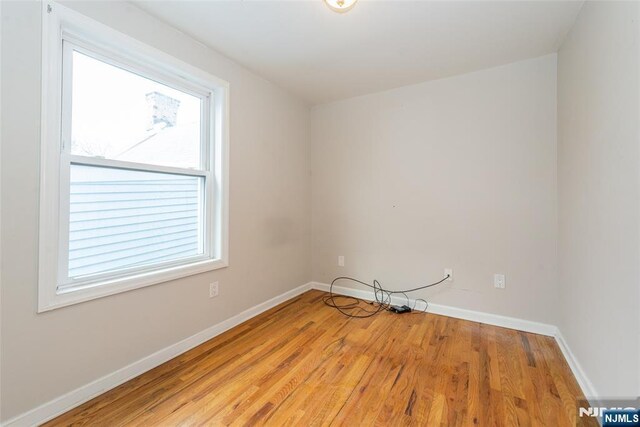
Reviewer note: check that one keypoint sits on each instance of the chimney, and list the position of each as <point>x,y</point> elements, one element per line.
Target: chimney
<point>163,109</point>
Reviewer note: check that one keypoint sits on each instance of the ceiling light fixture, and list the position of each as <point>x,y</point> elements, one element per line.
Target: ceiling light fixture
<point>340,6</point>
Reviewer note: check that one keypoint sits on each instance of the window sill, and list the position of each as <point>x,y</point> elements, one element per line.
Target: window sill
<point>124,284</point>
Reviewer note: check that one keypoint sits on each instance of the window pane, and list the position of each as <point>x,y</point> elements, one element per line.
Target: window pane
<point>120,115</point>
<point>121,219</point>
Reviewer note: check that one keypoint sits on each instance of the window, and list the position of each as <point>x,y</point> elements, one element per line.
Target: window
<point>134,163</point>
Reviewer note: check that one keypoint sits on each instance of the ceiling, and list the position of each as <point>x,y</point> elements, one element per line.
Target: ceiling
<point>321,56</point>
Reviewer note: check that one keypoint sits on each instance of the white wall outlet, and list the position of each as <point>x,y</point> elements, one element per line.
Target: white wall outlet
<point>448,272</point>
<point>340,260</point>
<point>213,289</point>
<point>499,281</point>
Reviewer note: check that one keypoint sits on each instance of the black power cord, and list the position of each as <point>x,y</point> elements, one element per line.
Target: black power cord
<point>351,307</point>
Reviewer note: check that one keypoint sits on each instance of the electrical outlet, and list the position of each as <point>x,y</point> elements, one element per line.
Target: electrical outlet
<point>340,260</point>
<point>499,281</point>
<point>449,272</point>
<point>213,289</point>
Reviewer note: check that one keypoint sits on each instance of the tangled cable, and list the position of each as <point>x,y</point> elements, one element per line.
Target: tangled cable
<point>352,306</point>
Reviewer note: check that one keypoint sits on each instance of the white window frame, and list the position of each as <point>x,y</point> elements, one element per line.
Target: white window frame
<point>64,31</point>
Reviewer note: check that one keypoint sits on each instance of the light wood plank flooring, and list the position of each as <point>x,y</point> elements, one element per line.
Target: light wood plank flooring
<point>303,363</point>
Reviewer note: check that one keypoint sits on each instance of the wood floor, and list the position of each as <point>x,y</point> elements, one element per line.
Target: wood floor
<point>303,363</point>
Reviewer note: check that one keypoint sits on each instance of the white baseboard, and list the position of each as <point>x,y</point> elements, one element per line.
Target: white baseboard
<point>587,387</point>
<point>445,310</point>
<point>62,404</point>
<point>489,319</point>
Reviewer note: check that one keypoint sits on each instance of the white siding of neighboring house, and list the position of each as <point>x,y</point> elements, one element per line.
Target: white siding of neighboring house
<point>121,218</point>
<point>124,218</point>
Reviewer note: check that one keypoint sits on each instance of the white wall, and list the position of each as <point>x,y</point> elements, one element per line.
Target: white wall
<point>458,172</point>
<point>47,355</point>
<point>598,164</point>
